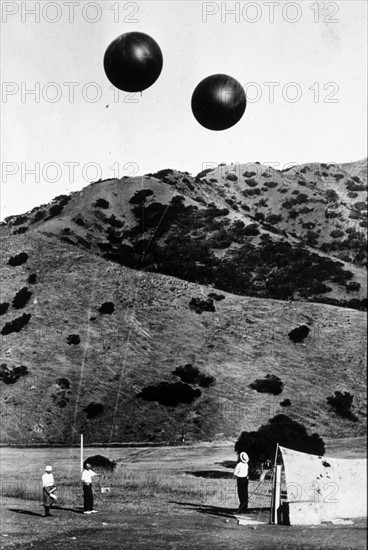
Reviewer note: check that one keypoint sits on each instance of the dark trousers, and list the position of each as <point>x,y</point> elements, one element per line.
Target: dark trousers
<point>242,483</point>
<point>88,497</point>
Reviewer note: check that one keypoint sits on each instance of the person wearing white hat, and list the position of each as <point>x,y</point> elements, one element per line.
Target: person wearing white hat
<point>48,491</point>
<point>241,473</point>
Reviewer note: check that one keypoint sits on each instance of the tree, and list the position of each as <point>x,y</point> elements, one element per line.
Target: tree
<point>261,445</point>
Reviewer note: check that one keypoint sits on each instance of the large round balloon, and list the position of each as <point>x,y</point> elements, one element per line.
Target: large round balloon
<point>133,62</point>
<point>218,102</point>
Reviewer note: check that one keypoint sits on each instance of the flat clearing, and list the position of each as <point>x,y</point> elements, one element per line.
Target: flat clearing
<point>161,498</point>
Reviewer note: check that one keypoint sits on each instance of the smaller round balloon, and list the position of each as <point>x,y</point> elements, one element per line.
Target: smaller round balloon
<point>133,62</point>
<point>218,102</point>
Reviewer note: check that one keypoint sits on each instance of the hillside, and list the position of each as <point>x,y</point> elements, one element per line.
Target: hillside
<point>299,234</point>
<point>193,271</point>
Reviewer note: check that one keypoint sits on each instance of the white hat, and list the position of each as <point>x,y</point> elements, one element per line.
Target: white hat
<point>48,468</point>
<point>244,457</point>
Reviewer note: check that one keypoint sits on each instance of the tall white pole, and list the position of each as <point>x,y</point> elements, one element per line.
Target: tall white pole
<point>273,485</point>
<point>81,452</point>
<point>277,497</point>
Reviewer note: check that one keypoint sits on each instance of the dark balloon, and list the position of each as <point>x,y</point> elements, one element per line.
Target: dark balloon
<point>133,62</point>
<point>218,102</point>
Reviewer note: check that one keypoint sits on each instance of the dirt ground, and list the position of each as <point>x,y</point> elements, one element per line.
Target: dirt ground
<point>167,521</point>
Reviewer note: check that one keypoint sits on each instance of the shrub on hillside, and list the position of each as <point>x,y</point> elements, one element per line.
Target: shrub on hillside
<point>285,403</point>
<point>232,177</point>
<point>4,307</point>
<point>55,210</point>
<point>114,221</point>
<point>139,197</point>
<point>261,203</point>
<point>353,186</point>
<point>20,230</point>
<point>261,444</point>
<point>63,383</point>
<point>353,286</point>
<point>18,259</point>
<point>308,225</point>
<point>38,216</point>
<point>251,229</point>
<point>93,409</point>
<point>18,220</point>
<point>216,297</point>
<point>331,195</point>
<point>305,210</point>
<point>73,339</point>
<point>192,375</point>
<point>298,334</point>
<point>249,174</point>
<point>16,325</point>
<point>78,219</point>
<point>302,182</point>
<point>101,203</point>
<point>251,192</point>
<point>337,233</point>
<point>199,305</point>
<point>270,384</point>
<point>21,298</point>
<point>251,182</point>
<point>11,375</point>
<point>293,213</point>
<point>318,288</point>
<point>113,236</point>
<point>273,218</point>
<point>341,403</point>
<point>360,205</point>
<point>170,394</point>
<point>259,216</point>
<point>330,214</point>
<point>352,195</point>
<point>270,184</point>
<point>311,238</point>
<point>107,307</point>
<point>162,174</point>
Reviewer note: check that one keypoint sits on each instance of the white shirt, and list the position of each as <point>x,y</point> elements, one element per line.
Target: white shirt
<point>47,479</point>
<point>241,470</point>
<point>87,476</point>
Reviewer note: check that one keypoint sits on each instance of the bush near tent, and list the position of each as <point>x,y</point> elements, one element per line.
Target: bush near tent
<point>261,445</point>
<point>100,462</point>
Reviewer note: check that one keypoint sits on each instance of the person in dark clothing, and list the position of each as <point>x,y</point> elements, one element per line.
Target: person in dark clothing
<point>87,475</point>
<point>241,473</point>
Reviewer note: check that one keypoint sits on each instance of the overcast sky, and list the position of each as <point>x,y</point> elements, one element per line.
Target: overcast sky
<point>314,110</point>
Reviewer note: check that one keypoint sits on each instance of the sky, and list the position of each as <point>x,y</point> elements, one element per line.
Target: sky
<point>302,65</point>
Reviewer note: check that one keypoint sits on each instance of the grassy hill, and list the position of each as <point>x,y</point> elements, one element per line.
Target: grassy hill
<point>193,271</point>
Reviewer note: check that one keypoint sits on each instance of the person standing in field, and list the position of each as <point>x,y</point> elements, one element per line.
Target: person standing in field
<point>87,476</point>
<point>48,490</point>
<point>241,473</point>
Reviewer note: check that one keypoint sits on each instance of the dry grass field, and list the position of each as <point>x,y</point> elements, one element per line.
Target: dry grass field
<point>161,498</point>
